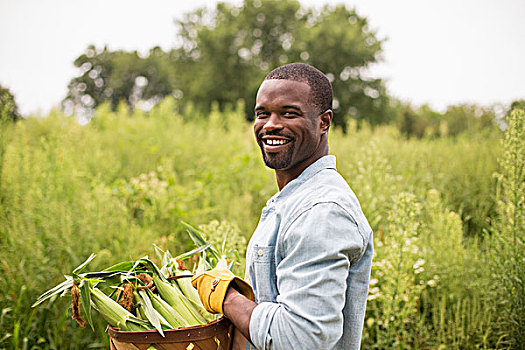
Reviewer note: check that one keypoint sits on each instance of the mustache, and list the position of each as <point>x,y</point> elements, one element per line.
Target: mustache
<point>275,133</point>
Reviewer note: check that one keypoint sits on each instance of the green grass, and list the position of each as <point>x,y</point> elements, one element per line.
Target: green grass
<point>123,182</point>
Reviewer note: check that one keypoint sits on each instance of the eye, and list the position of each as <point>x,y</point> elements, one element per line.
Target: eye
<point>261,115</point>
<point>290,114</point>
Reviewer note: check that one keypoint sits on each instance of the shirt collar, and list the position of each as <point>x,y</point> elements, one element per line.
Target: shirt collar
<point>325,162</point>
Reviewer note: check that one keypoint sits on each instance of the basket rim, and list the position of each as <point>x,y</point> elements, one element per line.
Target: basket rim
<point>194,333</point>
<point>199,332</point>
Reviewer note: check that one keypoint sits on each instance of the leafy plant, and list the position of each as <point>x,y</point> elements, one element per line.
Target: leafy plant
<point>507,241</point>
<point>69,190</point>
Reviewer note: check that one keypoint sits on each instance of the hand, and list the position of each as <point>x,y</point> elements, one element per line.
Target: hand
<point>212,287</point>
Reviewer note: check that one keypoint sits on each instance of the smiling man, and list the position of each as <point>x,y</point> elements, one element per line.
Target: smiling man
<point>309,259</point>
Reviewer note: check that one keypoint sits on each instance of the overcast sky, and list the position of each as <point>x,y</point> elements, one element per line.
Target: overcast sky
<point>438,52</point>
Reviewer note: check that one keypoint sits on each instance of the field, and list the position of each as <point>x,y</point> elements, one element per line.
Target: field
<point>447,215</point>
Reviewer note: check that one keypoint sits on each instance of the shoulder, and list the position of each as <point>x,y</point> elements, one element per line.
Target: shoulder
<point>325,198</point>
<point>324,226</point>
<point>327,186</point>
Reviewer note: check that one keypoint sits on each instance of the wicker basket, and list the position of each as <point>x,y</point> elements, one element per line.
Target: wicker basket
<point>216,335</point>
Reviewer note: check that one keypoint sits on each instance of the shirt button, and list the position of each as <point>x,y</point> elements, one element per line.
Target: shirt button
<point>260,252</point>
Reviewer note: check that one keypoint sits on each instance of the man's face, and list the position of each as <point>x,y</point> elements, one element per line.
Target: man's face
<point>287,126</point>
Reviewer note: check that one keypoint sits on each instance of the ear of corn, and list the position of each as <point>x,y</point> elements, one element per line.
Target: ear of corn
<point>192,295</point>
<point>175,267</point>
<point>174,297</point>
<point>142,315</point>
<point>140,311</point>
<point>115,314</point>
<point>172,305</point>
<point>170,314</point>
<point>185,286</point>
<point>150,312</point>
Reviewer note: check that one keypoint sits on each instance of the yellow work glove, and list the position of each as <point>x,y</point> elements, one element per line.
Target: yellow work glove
<point>212,287</point>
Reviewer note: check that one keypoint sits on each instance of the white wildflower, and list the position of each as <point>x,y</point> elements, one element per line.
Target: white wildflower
<point>431,283</point>
<point>419,263</point>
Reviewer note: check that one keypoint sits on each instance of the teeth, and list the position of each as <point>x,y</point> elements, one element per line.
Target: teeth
<point>276,142</point>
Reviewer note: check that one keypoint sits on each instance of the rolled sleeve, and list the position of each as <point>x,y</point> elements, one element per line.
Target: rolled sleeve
<point>318,248</point>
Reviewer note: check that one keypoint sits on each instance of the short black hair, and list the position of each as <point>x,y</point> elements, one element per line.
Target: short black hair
<point>320,87</point>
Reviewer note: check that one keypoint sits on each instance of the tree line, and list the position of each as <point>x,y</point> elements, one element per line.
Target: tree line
<point>222,55</point>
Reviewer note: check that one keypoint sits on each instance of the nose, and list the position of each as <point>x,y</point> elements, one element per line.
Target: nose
<point>273,123</point>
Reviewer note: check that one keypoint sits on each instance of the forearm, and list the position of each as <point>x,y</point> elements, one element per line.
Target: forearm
<point>239,310</point>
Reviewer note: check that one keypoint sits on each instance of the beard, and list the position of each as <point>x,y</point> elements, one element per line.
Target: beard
<point>278,160</point>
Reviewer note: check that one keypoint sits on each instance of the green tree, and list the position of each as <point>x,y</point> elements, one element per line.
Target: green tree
<point>341,44</point>
<point>119,75</point>
<point>225,59</point>
<point>411,123</point>
<point>8,107</point>
<point>468,117</point>
<point>423,121</point>
<point>224,53</point>
<point>8,115</point>
<point>517,104</point>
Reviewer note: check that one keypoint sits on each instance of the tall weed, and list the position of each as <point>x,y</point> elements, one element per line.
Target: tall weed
<point>126,179</point>
<point>507,241</point>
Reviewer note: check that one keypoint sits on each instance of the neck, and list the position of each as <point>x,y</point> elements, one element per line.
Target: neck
<point>284,176</point>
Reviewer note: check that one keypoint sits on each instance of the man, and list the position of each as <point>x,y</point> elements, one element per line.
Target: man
<point>309,259</point>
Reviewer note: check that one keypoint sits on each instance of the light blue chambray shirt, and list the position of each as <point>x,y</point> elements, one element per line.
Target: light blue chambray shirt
<point>309,263</point>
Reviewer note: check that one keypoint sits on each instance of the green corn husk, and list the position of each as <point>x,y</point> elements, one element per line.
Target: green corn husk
<point>177,300</point>
<point>185,286</point>
<point>150,312</point>
<point>192,295</point>
<point>170,314</point>
<point>147,312</point>
<point>176,305</point>
<point>171,267</point>
<point>140,312</point>
<point>164,324</point>
<point>115,314</point>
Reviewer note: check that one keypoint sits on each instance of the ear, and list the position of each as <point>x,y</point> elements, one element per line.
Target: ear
<point>325,120</point>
